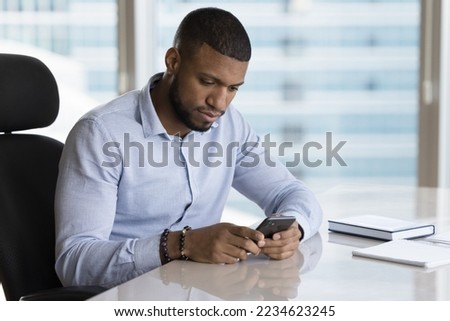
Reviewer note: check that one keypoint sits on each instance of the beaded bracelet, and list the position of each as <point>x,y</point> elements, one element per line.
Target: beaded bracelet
<point>182,239</point>
<point>163,246</point>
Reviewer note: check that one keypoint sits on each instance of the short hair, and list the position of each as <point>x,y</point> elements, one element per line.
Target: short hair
<point>215,27</point>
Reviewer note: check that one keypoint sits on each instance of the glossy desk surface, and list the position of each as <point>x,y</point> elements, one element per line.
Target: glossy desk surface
<point>323,268</point>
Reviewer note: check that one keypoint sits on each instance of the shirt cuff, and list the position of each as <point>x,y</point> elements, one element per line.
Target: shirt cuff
<point>303,222</point>
<point>146,253</point>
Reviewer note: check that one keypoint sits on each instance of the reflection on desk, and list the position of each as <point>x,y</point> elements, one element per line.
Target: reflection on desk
<point>320,270</point>
<point>257,278</point>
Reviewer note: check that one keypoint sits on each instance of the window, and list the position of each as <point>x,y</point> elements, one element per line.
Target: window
<point>328,72</point>
<point>76,40</point>
<point>345,67</point>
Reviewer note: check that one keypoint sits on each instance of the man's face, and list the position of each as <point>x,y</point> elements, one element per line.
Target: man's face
<point>203,87</point>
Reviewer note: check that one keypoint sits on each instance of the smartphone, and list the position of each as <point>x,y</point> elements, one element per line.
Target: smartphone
<point>274,224</point>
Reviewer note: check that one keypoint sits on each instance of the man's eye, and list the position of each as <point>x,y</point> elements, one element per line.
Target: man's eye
<point>206,82</point>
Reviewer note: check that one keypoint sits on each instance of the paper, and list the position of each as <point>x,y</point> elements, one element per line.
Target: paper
<point>418,253</point>
<point>443,238</point>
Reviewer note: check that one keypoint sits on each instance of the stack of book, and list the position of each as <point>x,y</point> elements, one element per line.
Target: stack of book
<point>380,227</point>
<point>427,252</point>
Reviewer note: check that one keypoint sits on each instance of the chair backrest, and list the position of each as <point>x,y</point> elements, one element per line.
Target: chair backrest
<point>28,172</point>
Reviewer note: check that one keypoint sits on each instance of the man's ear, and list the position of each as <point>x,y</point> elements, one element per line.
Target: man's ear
<point>172,60</point>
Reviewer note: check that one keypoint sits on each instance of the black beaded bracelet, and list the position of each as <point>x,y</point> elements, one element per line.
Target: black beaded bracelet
<point>163,246</point>
<point>182,240</point>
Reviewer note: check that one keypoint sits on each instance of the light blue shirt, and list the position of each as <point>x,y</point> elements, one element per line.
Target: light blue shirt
<point>123,180</point>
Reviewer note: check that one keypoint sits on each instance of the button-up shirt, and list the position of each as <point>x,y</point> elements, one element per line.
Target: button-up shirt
<point>123,180</point>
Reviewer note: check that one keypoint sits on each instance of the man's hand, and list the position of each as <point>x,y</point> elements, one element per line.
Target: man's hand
<point>223,243</point>
<point>282,244</point>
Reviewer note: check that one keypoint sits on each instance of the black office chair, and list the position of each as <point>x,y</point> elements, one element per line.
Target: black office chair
<point>28,170</point>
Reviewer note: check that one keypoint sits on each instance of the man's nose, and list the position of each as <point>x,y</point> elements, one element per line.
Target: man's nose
<point>219,98</point>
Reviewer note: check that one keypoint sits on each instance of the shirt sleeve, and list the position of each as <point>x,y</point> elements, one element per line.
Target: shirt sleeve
<point>263,179</point>
<point>85,207</point>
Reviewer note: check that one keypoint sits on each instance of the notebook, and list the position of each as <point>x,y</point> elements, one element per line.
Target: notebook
<point>380,227</point>
<point>421,253</point>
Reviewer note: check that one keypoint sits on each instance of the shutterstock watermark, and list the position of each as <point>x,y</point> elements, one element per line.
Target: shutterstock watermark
<point>215,154</point>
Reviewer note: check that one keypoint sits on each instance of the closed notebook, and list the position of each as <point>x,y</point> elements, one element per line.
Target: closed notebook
<point>380,227</point>
<point>417,253</point>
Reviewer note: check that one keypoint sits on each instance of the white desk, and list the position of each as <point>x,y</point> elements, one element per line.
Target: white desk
<point>323,269</point>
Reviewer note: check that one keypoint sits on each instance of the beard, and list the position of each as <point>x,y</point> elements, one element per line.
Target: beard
<point>184,113</point>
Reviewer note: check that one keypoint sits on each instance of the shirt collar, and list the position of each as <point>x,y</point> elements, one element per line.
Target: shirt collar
<point>150,121</point>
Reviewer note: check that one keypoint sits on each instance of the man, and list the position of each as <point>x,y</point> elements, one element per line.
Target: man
<point>140,181</point>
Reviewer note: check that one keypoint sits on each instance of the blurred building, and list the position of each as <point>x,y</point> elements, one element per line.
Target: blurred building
<point>345,67</point>
<point>348,67</point>
<point>82,30</point>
